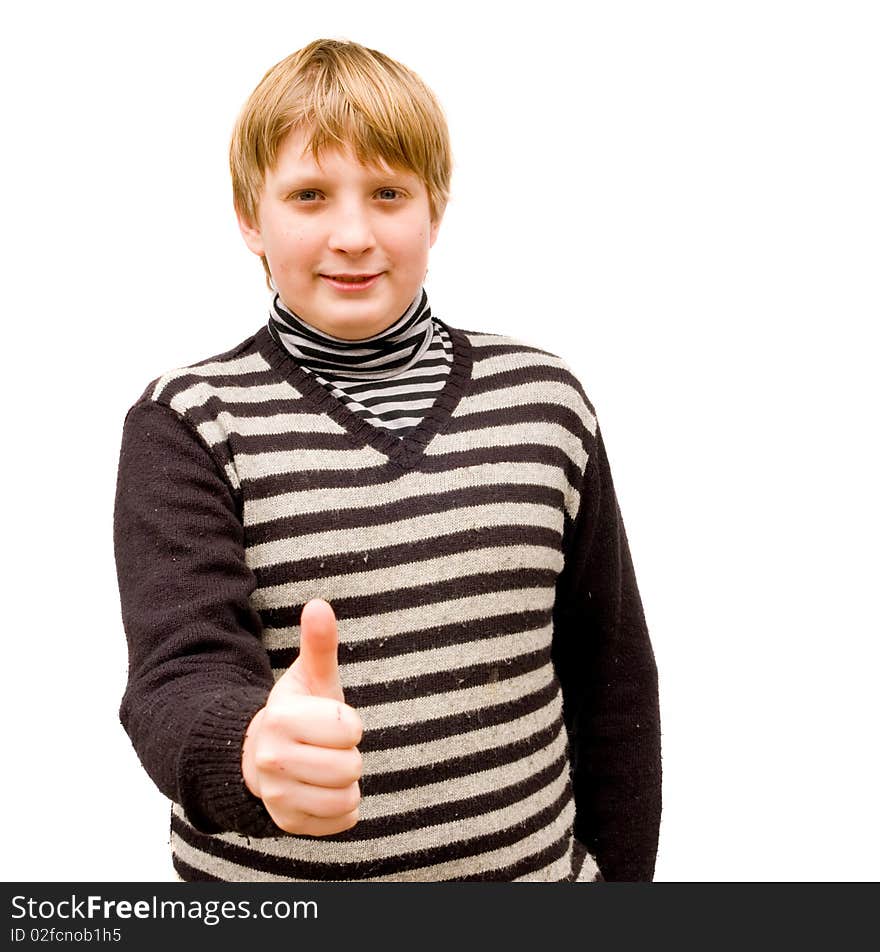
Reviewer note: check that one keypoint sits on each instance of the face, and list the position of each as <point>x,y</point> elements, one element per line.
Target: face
<point>347,244</point>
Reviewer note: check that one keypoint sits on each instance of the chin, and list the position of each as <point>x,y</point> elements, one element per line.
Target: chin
<point>358,332</point>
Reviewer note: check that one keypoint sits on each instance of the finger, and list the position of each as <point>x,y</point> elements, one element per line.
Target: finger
<point>318,650</point>
<point>326,803</point>
<point>325,766</point>
<point>304,825</point>
<point>312,720</point>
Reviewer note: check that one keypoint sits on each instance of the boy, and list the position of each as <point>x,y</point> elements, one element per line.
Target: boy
<point>381,614</point>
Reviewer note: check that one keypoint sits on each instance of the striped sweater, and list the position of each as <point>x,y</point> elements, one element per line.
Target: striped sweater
<point>491,633</point>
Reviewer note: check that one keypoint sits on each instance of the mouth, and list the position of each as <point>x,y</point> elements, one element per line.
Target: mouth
<point>351,282</point>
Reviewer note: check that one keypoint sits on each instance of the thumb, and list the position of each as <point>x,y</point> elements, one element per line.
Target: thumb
<point>317,664</point>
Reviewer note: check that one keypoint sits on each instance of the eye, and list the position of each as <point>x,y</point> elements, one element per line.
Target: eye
<point>306,195</point>
<point>389,194</point>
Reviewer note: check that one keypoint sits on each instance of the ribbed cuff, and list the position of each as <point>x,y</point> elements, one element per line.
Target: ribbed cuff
<point>211,785</point>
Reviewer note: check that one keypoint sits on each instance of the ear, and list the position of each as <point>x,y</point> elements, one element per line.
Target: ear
<point>435,228</point>
<point>253,236</point>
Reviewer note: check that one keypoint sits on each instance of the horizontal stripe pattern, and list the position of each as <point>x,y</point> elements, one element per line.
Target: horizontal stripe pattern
<point>477,845</point>
<point>399,404</point>
<point>403,530</point>
<point>408,487</point>
<point>387,354</point>
<point>441,566</point>
<point>454,614</point>
<point>214,369</point>
<point>407,574</point>
<point>390,380</point>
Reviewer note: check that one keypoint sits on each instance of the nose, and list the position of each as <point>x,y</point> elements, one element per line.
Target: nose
<point>351,231</point>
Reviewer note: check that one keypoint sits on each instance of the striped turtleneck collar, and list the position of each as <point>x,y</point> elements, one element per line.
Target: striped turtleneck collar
<point>386,354</point>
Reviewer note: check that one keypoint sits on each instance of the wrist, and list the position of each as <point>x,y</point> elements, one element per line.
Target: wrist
<point>248,757</point>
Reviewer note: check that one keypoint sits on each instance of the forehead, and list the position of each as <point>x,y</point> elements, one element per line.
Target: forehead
<point>296,157</point>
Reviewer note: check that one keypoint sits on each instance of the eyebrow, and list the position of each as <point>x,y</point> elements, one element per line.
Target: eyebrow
<point>318,179</point>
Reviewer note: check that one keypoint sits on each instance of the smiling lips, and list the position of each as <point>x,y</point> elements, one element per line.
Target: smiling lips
<point>351,282</point>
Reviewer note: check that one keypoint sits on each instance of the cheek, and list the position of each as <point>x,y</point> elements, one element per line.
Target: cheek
<point>415,244</point>
<point>294,248</point>
<point>410,235</point>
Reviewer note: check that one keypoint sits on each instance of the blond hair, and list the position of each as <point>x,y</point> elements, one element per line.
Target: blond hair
<point>341,94</point>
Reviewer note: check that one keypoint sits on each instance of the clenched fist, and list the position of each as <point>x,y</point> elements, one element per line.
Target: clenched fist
<point>300,753</point>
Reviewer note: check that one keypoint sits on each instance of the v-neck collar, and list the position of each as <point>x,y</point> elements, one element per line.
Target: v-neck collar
<point>406,451</point>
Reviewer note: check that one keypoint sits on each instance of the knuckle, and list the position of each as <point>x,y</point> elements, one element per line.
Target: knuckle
<point>274,719</point>
<point>272,795</point>
<point>267,760</point>
<point>291,822</point>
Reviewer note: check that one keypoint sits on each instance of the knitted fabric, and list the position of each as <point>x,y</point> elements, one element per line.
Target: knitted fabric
<point>491,634</point>
<point>391,379</point>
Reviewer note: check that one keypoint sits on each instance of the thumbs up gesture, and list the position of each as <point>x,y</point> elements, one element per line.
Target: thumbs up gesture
<point>300,753</point>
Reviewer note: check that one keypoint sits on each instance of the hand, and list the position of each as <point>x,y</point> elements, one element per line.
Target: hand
<point>300,753</point>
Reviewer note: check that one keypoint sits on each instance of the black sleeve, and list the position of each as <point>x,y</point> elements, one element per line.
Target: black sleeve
<point>197,671</point>
<point>606,667</point>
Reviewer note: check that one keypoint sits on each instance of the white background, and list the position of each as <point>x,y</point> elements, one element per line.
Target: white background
<point>682,199</point>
